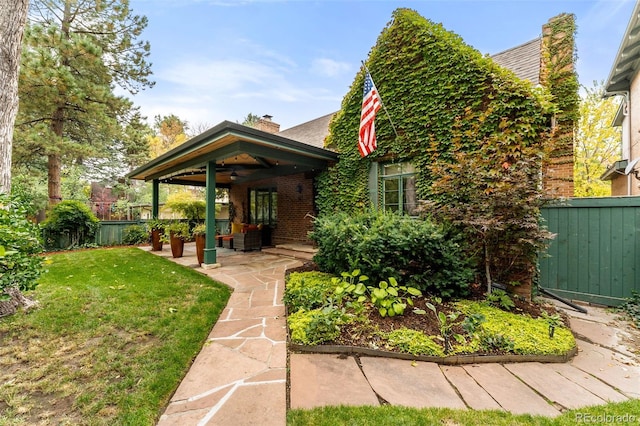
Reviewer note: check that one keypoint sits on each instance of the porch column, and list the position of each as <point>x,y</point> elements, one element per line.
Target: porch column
<point>155,199</point>
<point>210,256</point>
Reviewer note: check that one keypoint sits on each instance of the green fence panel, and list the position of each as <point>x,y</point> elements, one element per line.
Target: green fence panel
<point>594,256</point>
<point>110,231</point>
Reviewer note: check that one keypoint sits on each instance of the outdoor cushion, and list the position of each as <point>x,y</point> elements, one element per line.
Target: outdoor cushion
<point>236,227</point>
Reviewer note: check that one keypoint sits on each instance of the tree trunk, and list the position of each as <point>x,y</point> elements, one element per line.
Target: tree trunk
<point>13,16</point>
<point>54,164</point>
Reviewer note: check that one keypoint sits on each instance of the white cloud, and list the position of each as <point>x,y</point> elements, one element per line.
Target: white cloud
<point>328,67</point>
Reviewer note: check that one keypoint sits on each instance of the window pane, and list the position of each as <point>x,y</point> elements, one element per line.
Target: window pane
<point>409,195</point>
<point>391,169</point>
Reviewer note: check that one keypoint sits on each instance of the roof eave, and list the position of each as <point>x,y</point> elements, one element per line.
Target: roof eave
<point>627,58</point>
<point>226,128</point>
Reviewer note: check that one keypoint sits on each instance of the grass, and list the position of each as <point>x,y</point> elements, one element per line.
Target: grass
<point>627,412</point>
<point>116,331</point>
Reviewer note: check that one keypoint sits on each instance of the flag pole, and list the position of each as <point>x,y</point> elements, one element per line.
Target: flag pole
<point>381,103</point>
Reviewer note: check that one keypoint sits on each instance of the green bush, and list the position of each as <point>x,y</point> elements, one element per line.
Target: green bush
<point>20,244</point>
<point>70,224</point>
<point>307,290</point>
<point>417,252</point>
<point>631,307</point>
<point>135,234</point>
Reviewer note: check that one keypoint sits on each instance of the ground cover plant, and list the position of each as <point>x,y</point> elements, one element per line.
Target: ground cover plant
<point>116,331</point>
<point>351,311</point>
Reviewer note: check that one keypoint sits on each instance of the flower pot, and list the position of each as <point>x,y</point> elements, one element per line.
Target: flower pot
<point>156,240</point>
<point>177,246</point>
<point>200,243</point>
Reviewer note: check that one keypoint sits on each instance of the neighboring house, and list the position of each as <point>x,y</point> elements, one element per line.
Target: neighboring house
<point>624,81</point>
<point>271,173</point>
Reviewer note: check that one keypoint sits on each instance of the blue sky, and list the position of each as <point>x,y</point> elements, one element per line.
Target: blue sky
<point>216,60</point>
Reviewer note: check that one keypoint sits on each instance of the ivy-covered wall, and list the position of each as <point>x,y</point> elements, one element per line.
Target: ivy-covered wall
<point>439,92</point>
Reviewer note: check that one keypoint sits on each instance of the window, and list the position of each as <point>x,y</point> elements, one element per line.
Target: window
<point>263,206</point>
<point>399,188</point>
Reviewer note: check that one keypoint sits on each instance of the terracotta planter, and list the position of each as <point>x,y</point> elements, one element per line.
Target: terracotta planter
<point>177,246</point>
<point>200,243</point>
<point>156,240</point>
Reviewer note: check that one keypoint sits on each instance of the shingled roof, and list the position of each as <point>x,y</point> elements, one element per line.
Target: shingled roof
<point>523,60</point>
<point>312,132</point>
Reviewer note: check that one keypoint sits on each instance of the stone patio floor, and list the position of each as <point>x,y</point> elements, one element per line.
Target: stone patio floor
<point>240,375</point>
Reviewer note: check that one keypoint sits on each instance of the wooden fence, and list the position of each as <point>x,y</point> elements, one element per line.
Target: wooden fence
<point>595,256</point>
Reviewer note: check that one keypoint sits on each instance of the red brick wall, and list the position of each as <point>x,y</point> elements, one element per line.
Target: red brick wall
<point>295,201</point>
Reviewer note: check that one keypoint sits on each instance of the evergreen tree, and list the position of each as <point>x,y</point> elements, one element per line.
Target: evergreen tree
<point>75,55</point>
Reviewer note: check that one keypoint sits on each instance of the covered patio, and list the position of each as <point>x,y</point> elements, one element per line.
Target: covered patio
<point>270,178</point>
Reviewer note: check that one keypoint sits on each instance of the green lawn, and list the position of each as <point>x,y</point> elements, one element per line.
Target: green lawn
<point>116,331</point>
<point>619,413</point>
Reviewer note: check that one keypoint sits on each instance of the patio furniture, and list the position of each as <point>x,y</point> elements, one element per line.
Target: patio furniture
<point>227,241</point>
<point>249,239</point>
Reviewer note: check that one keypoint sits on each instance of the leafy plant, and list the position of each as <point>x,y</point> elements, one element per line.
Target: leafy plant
<point>156,224</point>
<point>446,323</point>
<point>631,307</point>
<point>70,223</point>
<point>472,323</point>
<point>496,342</point>
<point>351,287</point>
<point>500,299</point>
<point>199,229</point>
<point>178,230</point>
<point>20,265</point>
<point>391,298</point>
<point>307,290</point>
<point>135,234</point>
<point>312,327</point>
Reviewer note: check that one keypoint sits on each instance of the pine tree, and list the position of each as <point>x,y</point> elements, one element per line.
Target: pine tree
<point>76,54</point>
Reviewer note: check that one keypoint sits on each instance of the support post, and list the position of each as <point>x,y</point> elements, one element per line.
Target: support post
<point>155,199</point>
<point>210,255</point>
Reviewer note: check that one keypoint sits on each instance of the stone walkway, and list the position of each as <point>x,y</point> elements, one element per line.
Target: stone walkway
<point>240,376</point>
<point>603,370</point>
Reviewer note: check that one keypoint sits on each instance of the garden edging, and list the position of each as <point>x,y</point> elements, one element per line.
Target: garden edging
<point>447,360</point>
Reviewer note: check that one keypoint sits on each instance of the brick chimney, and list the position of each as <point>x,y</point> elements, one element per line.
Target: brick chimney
<point>266,125</point>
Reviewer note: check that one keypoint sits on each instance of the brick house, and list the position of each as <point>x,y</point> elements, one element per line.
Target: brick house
<point>270,173</point>
<point>624,81</point>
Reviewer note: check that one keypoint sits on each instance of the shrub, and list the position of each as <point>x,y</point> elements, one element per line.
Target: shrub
<point>417,252</point>
<point>20,265</point>
<point>135,234</point>
<point>70,224</point>
<point>307,290</point>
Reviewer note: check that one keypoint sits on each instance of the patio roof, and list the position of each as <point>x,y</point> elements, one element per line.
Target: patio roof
<point>241,154</point>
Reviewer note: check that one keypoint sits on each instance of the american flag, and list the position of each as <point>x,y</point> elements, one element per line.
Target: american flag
<point>370,106</point>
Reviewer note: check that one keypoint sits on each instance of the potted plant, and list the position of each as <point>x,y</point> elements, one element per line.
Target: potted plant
<point>178,233</point>
<point>156,228</point>
<point>200,237</point>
